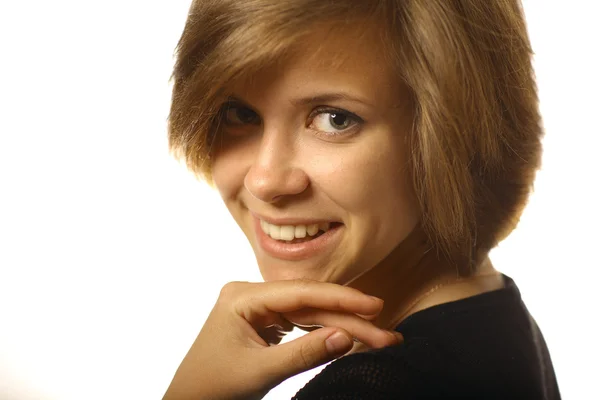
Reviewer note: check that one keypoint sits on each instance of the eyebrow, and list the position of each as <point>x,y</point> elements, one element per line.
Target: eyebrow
<point>321,98</point>
<point>327,97</point>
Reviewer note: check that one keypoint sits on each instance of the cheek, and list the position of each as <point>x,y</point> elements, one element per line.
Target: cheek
<point>228,172</point>
<point>370,179</point>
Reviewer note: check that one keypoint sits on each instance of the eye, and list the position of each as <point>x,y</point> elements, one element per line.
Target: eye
<point>333,122</point>
<point>237,114</point>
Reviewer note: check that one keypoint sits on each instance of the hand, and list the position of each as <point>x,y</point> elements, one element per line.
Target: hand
<point>233,357</point>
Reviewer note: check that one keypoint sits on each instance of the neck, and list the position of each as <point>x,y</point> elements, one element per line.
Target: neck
<point>412,278</point>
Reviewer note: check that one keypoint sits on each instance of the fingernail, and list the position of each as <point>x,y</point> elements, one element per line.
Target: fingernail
<point>337,343</point>
<point>377,299</point>
<point>398,336</point>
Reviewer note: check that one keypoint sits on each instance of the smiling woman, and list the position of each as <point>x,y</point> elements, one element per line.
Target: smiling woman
<point>302,160</point>
<point>381,147</point>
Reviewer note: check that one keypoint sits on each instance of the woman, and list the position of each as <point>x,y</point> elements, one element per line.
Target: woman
<point>376,148</point>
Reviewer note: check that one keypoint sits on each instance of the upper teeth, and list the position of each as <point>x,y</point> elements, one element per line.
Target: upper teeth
<point>289,232</point>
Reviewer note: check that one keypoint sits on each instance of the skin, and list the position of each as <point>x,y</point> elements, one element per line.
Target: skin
<point>285,165</point>
<point>231,357</point>
<point>275,158</point>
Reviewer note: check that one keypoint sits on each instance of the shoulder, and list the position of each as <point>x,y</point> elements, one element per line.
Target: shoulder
<point>393,372</point>
<point>420,368</point>
<point>487,346</point>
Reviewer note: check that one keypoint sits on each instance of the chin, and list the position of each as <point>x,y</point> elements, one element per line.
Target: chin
<point>271,275</point>
<point>278,270</point>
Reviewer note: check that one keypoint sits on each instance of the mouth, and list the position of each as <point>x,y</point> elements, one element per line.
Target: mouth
<point>297,242</point>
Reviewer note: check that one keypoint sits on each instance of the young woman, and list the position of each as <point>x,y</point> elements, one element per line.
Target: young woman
<point>365,148</point>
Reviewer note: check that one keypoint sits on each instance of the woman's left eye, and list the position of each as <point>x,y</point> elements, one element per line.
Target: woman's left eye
<point>334,122</point>
<point>236,114</point>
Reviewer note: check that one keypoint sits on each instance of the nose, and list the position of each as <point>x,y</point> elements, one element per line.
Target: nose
<point>273,173</point>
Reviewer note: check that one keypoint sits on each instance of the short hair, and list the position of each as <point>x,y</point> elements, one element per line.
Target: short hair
<point>475,142</point>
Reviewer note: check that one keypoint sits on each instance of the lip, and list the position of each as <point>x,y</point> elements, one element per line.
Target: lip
<point>290,221</point>
<point>297,251</point>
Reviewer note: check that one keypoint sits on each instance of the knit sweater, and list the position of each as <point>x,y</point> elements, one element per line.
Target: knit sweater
<point>483,347</point>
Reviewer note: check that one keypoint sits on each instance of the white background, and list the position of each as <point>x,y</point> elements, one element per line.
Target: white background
<point>112,255</point>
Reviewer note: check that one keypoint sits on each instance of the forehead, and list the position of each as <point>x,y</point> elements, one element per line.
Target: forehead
<point>329,59</point>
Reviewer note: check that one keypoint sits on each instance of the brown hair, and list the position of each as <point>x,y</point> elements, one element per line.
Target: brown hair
<point>476,139</point>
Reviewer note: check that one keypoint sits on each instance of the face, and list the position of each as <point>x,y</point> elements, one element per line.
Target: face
<point>312,161</point>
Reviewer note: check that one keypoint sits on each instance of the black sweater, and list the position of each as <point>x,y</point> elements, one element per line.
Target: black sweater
<point>483,347</point>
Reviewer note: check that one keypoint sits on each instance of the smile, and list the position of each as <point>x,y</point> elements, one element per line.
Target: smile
<point>298,241</point>
<point>290,232</point>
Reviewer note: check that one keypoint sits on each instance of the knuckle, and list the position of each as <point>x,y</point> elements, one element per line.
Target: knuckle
<point>307,355</point>
<point>230,290</point>
<point>304,283</point>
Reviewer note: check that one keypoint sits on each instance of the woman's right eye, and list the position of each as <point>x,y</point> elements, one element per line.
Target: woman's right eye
<point>235,115</point>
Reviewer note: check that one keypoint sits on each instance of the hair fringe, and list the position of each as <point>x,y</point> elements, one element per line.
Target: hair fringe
<point>476,139</point>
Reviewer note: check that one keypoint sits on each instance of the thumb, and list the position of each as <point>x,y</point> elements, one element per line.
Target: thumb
<point>309,351</point>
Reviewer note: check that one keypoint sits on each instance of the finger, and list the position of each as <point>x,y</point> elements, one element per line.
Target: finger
<point>304,353</point>
<point>313,327</point>
<point>359,328</point>
<point>281,323</point>
<point>368,317</point>
<point>291,295</point>
<point>266,320</point>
